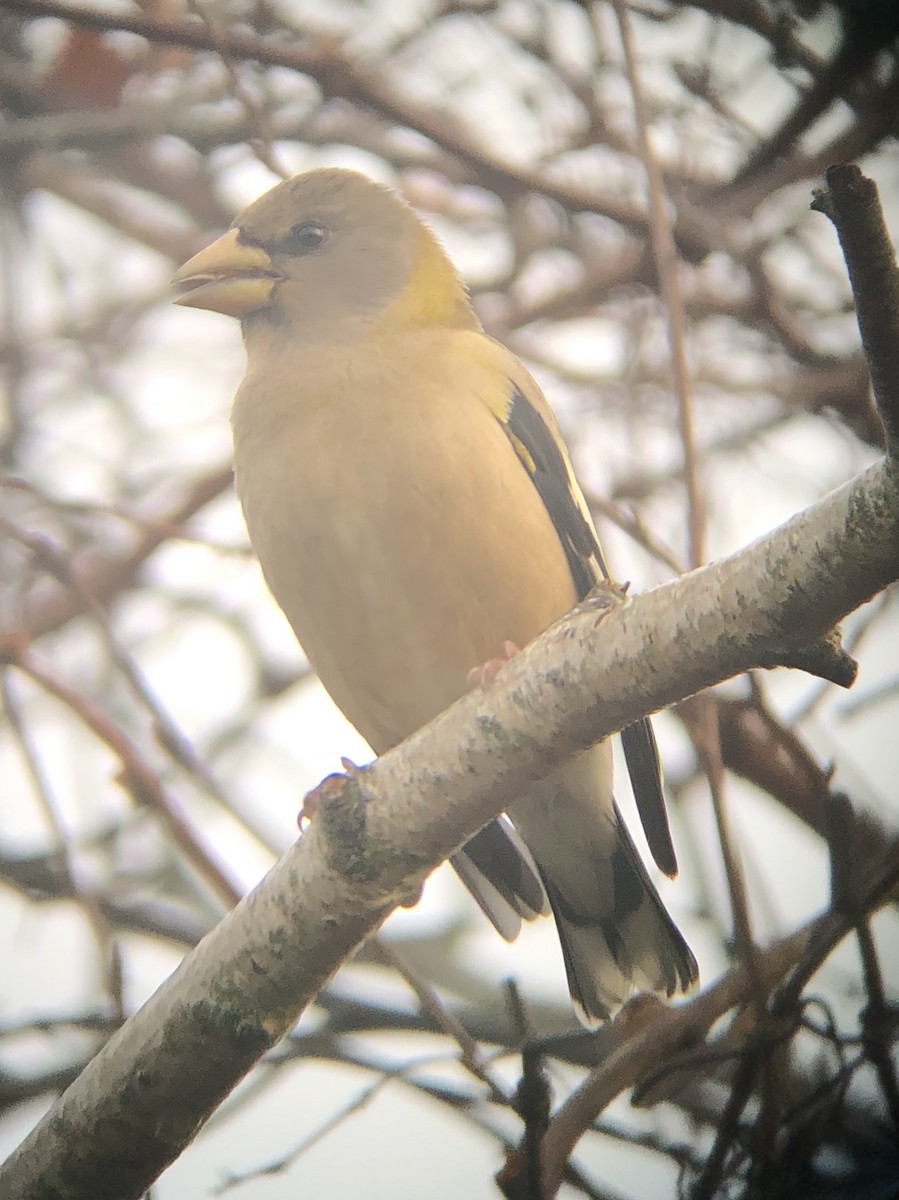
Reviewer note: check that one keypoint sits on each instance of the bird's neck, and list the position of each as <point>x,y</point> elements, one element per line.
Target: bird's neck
<point>434,294</point>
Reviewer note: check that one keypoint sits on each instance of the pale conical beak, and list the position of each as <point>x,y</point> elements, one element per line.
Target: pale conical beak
<point>228,277</point>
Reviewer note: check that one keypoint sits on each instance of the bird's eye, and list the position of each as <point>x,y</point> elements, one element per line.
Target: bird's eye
<point>305,238</point>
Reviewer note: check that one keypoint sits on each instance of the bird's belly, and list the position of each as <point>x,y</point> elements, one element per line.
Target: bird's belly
<point>398,582</point>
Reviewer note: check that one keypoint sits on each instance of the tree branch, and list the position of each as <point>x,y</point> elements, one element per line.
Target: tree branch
<point>852,203</point>
<point>379,831</point>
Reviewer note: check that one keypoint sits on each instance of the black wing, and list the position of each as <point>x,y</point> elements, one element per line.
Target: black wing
<point>542,458</point>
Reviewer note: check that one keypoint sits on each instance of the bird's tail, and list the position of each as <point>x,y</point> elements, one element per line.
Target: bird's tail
<point>497,868</point>
<point>613,950</point>
<point>617,937</point>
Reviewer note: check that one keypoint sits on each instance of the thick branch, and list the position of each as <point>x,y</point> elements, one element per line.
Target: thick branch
<point>379,831</point>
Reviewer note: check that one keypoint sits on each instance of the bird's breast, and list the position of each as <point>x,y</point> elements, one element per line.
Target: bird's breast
<point>401,536</point>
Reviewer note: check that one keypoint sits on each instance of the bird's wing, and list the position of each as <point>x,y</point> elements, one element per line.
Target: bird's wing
<point>531,427</point>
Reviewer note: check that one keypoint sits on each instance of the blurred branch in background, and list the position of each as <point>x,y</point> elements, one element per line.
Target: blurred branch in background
<point>154,758</point>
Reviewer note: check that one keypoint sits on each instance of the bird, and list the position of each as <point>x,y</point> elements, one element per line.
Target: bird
<point>413,506</point>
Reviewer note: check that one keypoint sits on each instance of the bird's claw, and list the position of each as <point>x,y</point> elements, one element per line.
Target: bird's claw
<point>486,672</point>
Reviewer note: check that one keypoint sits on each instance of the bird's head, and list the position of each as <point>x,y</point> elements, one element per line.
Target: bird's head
<point>330,245</point>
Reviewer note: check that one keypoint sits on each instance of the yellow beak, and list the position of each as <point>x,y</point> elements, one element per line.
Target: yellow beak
<point>228,277</point>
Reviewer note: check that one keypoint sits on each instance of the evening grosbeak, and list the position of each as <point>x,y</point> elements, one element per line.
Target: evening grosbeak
<point>414,509</point>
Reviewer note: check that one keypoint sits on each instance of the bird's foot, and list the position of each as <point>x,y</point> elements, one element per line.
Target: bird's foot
<point>328,787</point>
<point>486,672</point>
